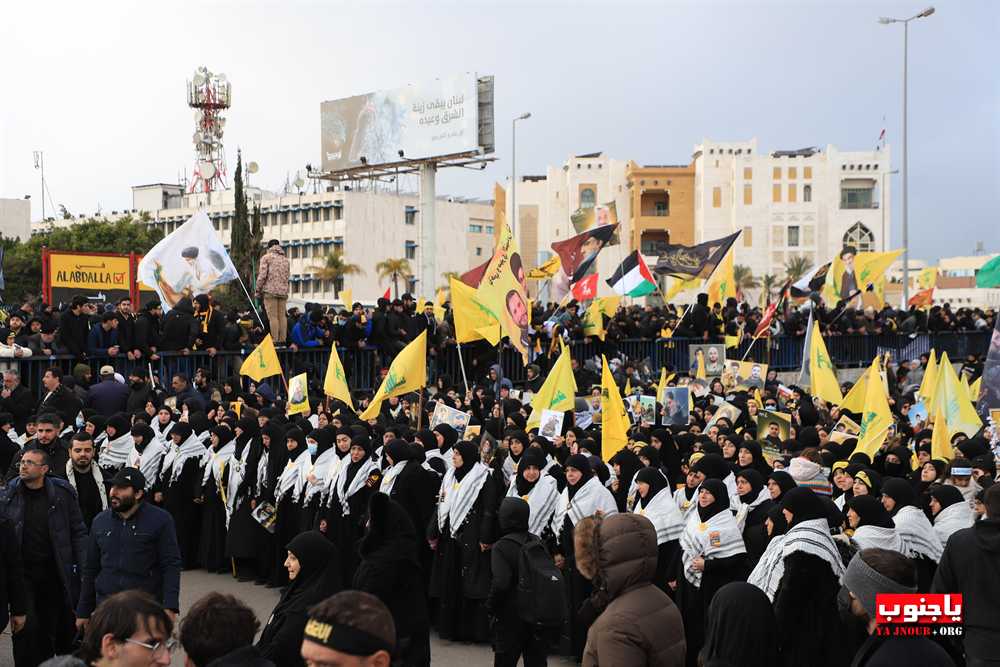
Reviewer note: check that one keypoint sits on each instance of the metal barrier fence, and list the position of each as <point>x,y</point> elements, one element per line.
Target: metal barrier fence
<point>781,353</point>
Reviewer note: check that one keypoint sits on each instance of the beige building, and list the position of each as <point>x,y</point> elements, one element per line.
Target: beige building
<point>15,218</point>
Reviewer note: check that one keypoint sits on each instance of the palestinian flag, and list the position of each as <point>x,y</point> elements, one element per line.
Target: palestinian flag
<point>632,277</point>
<point>812,281</point>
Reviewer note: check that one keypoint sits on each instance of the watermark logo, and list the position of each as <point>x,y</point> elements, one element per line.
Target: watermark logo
<point>918,614</point>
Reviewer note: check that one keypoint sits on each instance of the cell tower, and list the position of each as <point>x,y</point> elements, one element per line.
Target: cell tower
<point>209,95</point>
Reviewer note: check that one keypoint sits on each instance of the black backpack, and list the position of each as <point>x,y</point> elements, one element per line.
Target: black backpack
<point>541,593</point>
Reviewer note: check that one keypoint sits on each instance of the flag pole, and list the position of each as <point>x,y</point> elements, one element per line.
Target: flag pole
<point>461,364</point>
<point>252,305</point>
<point>420,410</point>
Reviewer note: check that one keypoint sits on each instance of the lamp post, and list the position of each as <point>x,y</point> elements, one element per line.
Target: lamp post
<point>512,214</point>
<point>906,172</point>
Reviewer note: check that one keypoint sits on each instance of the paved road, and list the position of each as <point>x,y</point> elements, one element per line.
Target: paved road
<point>196,583</point>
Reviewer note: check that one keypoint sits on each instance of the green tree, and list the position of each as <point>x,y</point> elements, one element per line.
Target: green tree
<point>394,269</point>
<point>335,268</point>
<point>744,279</point>
<point>241,238</point>
<point>796,267</point>
<point>23,259</point>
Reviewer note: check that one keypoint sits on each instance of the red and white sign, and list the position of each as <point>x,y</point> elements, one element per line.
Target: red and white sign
<point>586,289</point>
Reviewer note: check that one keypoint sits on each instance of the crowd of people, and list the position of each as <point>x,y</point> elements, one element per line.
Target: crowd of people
<point>704,542</point>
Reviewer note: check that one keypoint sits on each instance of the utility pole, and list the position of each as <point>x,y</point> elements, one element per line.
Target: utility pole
<point>40,164</point>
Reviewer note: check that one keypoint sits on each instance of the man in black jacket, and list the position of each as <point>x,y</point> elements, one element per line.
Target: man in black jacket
<point>47,439</point>
<point>970,565</point>
<point>211,324</point>
<point>147,328</point>
<point>46,342</point>
<point>13,594</point>
<point>74,327</point>
<point>133,545</point>
<point>108,396</point>
<point>50,531</point>
<point>126,329</point>
<point>180,328</point>
<point>58,399</point>
<point>16,399</point>
<point>512,637</point>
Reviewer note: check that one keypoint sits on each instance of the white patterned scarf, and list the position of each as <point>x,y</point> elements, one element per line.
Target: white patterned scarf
<point>149,461</point>
<point>98,478</point>
<point>261,474</point>
<point>746,508</point>
<point>115,453</point>
<point>917,533</point>
<point>719,537</point>
<point>589,499</point>
<point>877,537</point>
<point>178,455</point>
<point>542,501</point>
<point>771,560</point>
<point>389,478</point>
<point>162,433</point>
<point>952,518</point>
<point>332,475</point>
<point>458,496</point>
<point>320,469</point>
<point>811,537</point>
<point>216,463</point>
<point>345,490</point>
<point>662,511</point>
<point>237,472</point>
<point>293,478</point>
<point>685,505</point>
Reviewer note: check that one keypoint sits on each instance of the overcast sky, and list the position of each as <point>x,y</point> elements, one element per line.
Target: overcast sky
<point>100,87</point>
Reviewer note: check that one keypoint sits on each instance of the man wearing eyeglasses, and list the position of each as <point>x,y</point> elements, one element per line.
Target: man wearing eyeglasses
<point>128,629</point>
<point>49,528</point>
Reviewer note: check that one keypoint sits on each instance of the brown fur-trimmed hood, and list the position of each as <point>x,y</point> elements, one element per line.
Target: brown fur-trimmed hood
<point>618,552</point>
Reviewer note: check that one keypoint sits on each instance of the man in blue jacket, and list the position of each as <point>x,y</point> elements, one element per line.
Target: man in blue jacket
<point>49,530</point>
<point>109,396</point>
<point>102,341</point>
<point>133,545</point>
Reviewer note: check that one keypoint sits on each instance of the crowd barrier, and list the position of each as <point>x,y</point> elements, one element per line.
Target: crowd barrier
<point>781,353</point>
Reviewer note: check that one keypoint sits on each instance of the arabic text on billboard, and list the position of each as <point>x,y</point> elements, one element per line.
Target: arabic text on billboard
<point>425,120</point>
<point>102,278</point>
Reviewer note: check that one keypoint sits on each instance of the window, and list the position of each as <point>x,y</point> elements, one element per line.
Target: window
<point>776,192</point>
<point>225,224</point>
<point>338,211</point>
<point>294,254</point>
<point>860,237</point>
<point>747,194</point>
<point>856,197</point>
<point>793,173</point>
<point>215,223</point>
<point>587,198</point>
<point>747,173</point>
<point>476,229</point>
<point>489,229</point>
<point>306,251</point>
<point>777,173</point>
<point>326,214</point>
<point>411,250</point>
<point>410,216</point>
<point>793,236</point>
<point>661,209</point>
<point>716,197</point>
<point>479,252</point>
<point>807,193</point>
<point>283,219</point>
<point>778,236</point>
<point>338,285</point>
<point>808,236</point>
<point>793,193</point>
<point>807,172</point>
<point>748,237</point>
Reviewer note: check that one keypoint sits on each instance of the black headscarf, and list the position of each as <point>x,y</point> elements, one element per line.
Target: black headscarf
<point>947,495</point>
<point>778,520</point>
<point>522,438</point>
<point>199,422</point>
<point>804,505</point>
<point>657,482</point>
<point>900,491</point>
<point>343,430</point>
<point>870,512</point>
<point>756,484</point>
<point>741,628</point>
<point>146,433</point>
<point>364,442</point>
<point>183,430</point>
<point>119,423</point>
<point>670,458</point>
<point>533,457</point>
<point>759,464</point>
<point>713,466</point>
<point>324,438</point>
<point>470,456</point>
<point>449,434</point>
<point>224,434</point>
<point>721,503</point>
<point>398,450</point>
<point>296,434</point>
<point>628,465</point>
<point>581,463</point>
<point>784,482</point>
<point>651,454</point>
<point>901,469</point>
<point>427,439</point>
<point>871,479</point>
<point>319,573</point>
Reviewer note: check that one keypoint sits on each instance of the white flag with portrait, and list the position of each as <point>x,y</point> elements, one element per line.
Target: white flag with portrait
<point>189,261</point>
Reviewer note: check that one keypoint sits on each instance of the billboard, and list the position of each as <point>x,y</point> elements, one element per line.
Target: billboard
<point>100,277</point>
<point>418,121</point>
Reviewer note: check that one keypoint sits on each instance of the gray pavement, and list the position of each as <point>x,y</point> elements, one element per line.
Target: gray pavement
<point>195,583</point>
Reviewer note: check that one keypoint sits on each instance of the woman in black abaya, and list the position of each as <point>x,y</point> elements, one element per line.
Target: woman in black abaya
<point>245,537</point>
<point>287,494</point>
<point>314,571</point>
<point>212,544</point>
<point>741,629</point>
<point>181,480</point>
<point>347,508</point>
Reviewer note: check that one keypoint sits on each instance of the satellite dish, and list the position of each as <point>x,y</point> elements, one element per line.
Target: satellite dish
<point>299,182</point>
<point>252,168</point>
<point>199,80</point>
<point>207,170</point>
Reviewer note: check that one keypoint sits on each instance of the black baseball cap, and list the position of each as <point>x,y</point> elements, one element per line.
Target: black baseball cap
<point>130,477</point>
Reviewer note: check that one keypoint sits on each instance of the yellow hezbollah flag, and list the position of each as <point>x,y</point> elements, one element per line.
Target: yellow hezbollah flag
<point>876,417</point>
<point>472,320</point>
<point>628,386</point>
<point>335,382</point>
<point>855,399</point>
<point>661,388</point>
<point>822,374</point>
<point>347,298</point>
<point>699,373</point>
<point>298,395</point>
<point>677,285</point>
<point>503,296</point>
<point>941,448</point>
<point>262,362</point>
<point>614,421</point>
<point>439,299</point>
<point>723,282</point>
<point>593,321</point>
<point>408,372</point>
<point>734,341</point>
<point>558,392</point>
<point>546,270</point>
<point>927,278</point>
<point>869,267</point>
<point>975,389</point>
<point>929,383</point>
<point>959,412</point>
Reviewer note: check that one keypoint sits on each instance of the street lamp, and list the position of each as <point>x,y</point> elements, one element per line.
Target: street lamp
<point>906,172</point>
<point>512,216</point>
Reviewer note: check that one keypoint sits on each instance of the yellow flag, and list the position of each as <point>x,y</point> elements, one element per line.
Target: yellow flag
<point>975,389</point>
<point>546,270</point>
<point>699,373</point>
<point>408,372</point>
<point>678,285</point>
<point>929,383</point>
<point>628,386</point>
<point>472,320</point>
<point>964,381</point>
<point>558,392</point>
<point>661,387</point>
<point>614,420</point>
<point>439,299</point>
<point>959,412</point>
<point>503,296</point>
<point>822,374</point>
<point>262,362</point>
<point>593,321</point>
<point>298,395</point>
<point>347,298</point>
<point>723,282</point>
<point>757,397</point>
<point>734,341</point>
<point>869,267</point>
<point>855,399</point>
<point>927,278</point>
<point>421,302</point>
<point>335,382</point>
<point>876,417</point>
<point>941,448</point>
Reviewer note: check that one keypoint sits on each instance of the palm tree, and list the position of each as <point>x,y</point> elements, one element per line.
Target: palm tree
<point>743,277</point>
<point>796,267</point>
<point>394,269</point>
<point>767,284</point>
<point>335,268</point>
<point>448,275</point>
